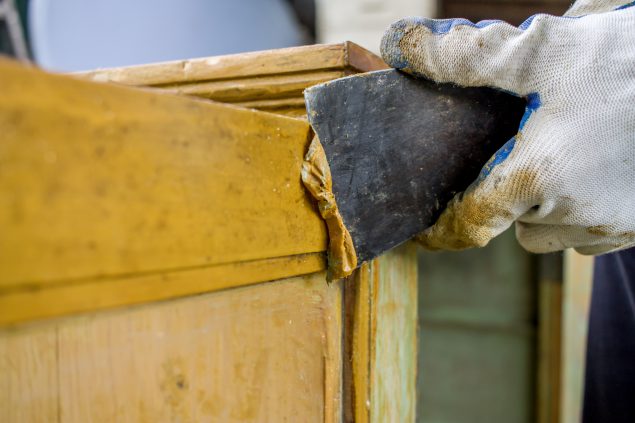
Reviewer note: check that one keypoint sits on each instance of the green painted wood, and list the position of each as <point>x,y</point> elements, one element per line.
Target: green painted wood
<point>477,337</point>
<point>394,336</point>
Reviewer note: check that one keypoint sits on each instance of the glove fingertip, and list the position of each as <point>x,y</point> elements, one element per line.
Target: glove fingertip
<point>390,44</point>
<point>391,49</point>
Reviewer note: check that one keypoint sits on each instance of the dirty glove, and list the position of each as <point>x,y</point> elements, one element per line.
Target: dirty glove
<point>568,177</point>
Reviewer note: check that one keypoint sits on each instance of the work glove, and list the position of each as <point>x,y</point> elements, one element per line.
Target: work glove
<point>568,177</point>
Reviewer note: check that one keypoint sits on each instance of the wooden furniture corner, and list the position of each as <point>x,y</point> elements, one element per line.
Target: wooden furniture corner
<point>129,210</point>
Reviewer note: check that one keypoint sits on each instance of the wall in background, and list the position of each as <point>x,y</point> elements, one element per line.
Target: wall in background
<point>478,335</point>
<point>364,21</point>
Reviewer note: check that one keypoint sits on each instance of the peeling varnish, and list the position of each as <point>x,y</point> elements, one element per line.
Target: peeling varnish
<point>316,176</point>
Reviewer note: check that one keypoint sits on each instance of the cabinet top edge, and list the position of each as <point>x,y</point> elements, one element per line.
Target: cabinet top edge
<point>317,57</point>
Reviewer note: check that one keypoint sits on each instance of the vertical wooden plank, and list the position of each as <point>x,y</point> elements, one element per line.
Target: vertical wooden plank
<point>393,354</point>
<point>578,279</point>
<point>380,332</point>
<point>357,340</point>
<point>28,377</point>
<point>550,282</point>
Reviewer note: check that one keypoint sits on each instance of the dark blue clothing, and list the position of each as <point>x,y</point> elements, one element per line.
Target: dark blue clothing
<point>609,394</point>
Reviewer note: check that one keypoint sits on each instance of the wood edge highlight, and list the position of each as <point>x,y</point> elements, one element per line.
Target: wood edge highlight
<point>345,55</point>
<point>213,67</point>
<point>361,59</point>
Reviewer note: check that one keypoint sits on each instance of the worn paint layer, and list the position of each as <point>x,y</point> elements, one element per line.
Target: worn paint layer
<point>104,181</point>
<point>316,176</point>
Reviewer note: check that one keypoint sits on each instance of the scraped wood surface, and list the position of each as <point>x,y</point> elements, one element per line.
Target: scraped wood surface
<point>269,352</point>
<point>380,349</point>
<point>393,352</point>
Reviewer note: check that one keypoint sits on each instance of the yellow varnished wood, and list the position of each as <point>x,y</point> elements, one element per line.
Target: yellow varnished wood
<point>259,87</point>
<point>112,196</point>
<point>356,387</point>
<point>26,303</point>
<point>101,181</point>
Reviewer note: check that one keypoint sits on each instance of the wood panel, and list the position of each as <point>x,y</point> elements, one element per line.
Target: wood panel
<point>393,365</point>
<point>578,284</point>
<point>122,196</point>
<point>478,336</point>
<point>549,369</point>
<point>102,181</point>
<point>380,372</point>
<point>269,352</point>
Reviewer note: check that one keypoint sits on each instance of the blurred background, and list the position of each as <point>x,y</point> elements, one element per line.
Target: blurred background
<point>501,331</point>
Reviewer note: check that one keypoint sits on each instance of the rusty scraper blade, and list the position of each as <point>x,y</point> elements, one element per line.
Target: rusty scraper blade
<point>398,148</point>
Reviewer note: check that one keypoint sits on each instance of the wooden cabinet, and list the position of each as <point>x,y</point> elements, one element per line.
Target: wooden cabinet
<point>160,259</point>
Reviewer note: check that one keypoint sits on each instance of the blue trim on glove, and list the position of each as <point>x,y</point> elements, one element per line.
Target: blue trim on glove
<point>497,159</point>
<point>533,103</point>
<point>626,6</point>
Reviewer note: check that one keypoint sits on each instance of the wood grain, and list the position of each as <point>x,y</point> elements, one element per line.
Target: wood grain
<point>357,303</point>
<point>263,353</point>
<point>105,182</point>
<point>393,365</point>
<point>577,289</point>
<point>269,62</point>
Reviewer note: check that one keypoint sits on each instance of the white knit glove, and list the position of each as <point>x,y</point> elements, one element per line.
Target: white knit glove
<point>568,177</point>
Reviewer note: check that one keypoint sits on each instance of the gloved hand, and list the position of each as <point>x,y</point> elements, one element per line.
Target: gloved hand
<point>568,177</point>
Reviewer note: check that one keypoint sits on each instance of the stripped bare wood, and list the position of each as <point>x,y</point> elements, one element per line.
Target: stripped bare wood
<point>280,61</point>
<point>255,88</point>
<point>393,353</point>
<point>380,370</point>
<point>269,352</point>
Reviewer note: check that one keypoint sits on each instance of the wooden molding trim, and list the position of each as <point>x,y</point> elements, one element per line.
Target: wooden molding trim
<point>271,80</point>
<point>26,304</point>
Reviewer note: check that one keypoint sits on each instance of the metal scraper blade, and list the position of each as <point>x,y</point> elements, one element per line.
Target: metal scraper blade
<point>399,148</point>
